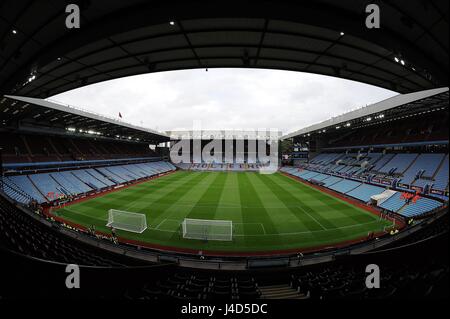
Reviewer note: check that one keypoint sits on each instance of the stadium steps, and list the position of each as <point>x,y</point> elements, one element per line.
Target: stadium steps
<point>55,150</point>
<point>400,211</point>
<point>280,292</point>
<point>75,147</point>
<point>411,164</point>
<point>442,163</point>
<point>27,147</point>
<point>37,188</point>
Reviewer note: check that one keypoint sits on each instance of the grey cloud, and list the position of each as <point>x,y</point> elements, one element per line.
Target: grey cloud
<point>225,98</point>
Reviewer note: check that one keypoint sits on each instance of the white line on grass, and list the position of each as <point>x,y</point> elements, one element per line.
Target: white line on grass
<point>243,235</point>
<point>286,234</point>
<point>312,217</point>
<point>264,230</point>
<point>157,227</point>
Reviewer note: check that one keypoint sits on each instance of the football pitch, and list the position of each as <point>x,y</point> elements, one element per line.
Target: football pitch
<point>269,212</point>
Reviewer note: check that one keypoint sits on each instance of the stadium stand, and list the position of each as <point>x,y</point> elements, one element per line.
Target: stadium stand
<point>86,176</point>
<point>331,181</point>
<point>382,162</point>
<point>24,183</point>
<point>402,274</point>
<point>26,235</point>
<point>393,203</point>
<point>365,191</point>
<point>46,187</point>
<point>422,205</point>
<point>398,164</point>
<point>345,186</point>
<point>441,177</point>
<point>425,170</point>
<point>19,148</point>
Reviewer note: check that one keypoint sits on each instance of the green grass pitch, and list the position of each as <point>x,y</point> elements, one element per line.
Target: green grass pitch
<point>269,212</point>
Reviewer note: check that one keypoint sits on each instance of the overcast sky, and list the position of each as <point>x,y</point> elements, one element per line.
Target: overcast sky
<point>225,99</point>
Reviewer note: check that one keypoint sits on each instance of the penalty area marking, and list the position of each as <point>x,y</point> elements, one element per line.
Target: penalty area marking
<point>277,234</point>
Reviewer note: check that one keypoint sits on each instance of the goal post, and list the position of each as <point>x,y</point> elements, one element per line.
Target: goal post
<point>128,221</point>
<point>206,229</point>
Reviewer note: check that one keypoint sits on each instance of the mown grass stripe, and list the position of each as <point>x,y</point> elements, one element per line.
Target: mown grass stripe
<point>300,210</point>
<point>240,196</point>
<point>352,213</point>
<point>249,195</point>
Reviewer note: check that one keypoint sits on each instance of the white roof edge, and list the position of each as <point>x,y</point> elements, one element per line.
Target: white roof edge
<point>381,106</point>
<point>75,111</point>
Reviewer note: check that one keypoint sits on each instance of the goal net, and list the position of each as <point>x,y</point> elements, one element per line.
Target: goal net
<point>205,229</point>
<point>132,222</point>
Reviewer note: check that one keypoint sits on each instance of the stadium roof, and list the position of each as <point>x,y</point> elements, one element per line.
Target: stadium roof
<point>40,57</point>
<point>35,114</point>
<point>424,101</point>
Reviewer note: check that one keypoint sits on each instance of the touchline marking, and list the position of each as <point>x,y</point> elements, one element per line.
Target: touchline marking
<point>242,235</point>
<point>283,234</point>
<point>264,230</point>
<point>157,227</point>
<point>312,217</point>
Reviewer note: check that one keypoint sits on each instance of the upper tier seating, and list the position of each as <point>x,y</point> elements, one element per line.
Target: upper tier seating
<point>441,177</point>
<point>19,148</point>
<point>382,161</point>
<point>398,164</point>
<point>424,166</point>
<point>431,127</point>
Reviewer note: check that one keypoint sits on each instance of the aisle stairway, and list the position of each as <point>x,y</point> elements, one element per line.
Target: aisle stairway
<point>280,292</point>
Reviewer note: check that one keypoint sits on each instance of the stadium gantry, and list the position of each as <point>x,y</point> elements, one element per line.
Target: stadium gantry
<point>371,184</point>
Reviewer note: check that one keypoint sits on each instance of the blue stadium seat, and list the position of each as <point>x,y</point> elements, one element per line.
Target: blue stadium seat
<point>398,164</point>
<point>48,185</point>
<point>422,206</point>
<point>394,203</point>
<point>88,179</point>
<point>24,183</point>
<point>365,191</point>
<point>441,177</point>
<point>345,186</point>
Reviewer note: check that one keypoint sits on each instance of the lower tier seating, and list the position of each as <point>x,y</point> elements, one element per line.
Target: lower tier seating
<point>364,192</point>
<point>46,187</point>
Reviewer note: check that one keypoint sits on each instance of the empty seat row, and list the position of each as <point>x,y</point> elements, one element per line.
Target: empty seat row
<point>46,187</point>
